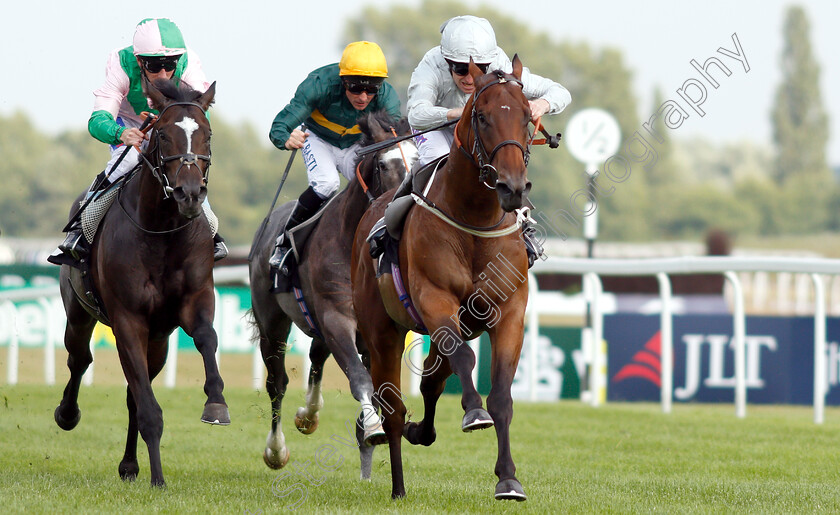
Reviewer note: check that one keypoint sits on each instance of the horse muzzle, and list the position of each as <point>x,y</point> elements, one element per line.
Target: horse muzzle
<point>512,196</point>
<point>189,200</point>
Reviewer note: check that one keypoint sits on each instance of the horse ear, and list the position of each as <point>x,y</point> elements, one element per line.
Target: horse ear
<point>517,67</point>
<point>206,100</point>
<point>475,71</point>
<point>376,129</point>
<point>157,99</point>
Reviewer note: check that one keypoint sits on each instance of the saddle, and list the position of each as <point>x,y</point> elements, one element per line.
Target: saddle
<point>390,226</point>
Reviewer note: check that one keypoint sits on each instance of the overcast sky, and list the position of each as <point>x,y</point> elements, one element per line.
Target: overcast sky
<point>53,53</point>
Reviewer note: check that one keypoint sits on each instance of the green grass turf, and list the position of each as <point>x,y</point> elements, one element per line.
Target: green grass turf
<point>619,458</point>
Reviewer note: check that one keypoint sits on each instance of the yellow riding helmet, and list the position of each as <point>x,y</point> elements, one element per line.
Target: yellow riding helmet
<point>363,58</point>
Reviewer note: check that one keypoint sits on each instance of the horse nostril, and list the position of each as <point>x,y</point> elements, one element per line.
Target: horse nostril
<point>178,194</point>
<point>503,189</point>
<point>527,188</point>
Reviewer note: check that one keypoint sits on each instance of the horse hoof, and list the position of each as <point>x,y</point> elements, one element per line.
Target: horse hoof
<point>273,459</point>
<point>375,436</point>
<point>476,418</point>
<point>67,423</point>
<point>510,489</point>
<point>304,424</point>
<point>413,432</point>
<point>129,471</point>
<point>159,483</point>
<point>216,413</point>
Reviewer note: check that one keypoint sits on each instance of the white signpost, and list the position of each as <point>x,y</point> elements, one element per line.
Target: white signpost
<point>592,136</point>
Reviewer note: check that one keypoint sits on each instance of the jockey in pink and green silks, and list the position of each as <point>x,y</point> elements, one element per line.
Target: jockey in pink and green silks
<point>158,51</point>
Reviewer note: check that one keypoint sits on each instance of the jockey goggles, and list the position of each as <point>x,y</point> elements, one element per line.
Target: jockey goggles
<point>357,87</point>
<point>156,64</point>
<point>462,69</point>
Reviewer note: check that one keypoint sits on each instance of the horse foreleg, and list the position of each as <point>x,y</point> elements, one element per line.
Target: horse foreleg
<point>506,341</point>
<point>129,468</point>
<point>196,318</point>
<point>306,418</point>
<point>437,309</point>
<point>385,371</point>
<point>77,341</point>
<point>275,454</point>
<point>132,347</point>
<point>340,337</point>
<point>215,409</point>
<point>435,371</point>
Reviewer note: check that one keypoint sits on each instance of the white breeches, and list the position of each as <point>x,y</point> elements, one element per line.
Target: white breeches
<point>324,162</point>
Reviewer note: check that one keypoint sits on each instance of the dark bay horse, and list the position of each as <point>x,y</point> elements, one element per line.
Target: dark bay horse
<point>464,265</point>
<point>325,286</point>
<point>151,263</point>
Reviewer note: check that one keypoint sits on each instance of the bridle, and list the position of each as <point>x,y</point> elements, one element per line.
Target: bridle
<point>188,159</point>
<point>156,154</point>
<point>377,171</point>
<point>479,156</point>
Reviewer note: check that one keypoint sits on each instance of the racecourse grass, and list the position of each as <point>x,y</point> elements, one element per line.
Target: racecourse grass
<point>571,458</point>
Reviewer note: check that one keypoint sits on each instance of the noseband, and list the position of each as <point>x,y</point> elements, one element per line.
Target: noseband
<point>186,159</point>
<point>479,156</point>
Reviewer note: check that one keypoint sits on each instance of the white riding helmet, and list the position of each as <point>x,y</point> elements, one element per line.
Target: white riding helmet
<point>468,36</point>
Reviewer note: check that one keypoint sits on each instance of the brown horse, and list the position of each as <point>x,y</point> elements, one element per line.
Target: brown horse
<point>324,273</point>
<point>464,265</point>
<point>152,266</point>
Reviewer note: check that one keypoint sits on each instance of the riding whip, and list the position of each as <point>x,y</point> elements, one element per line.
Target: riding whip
<point>276,195</point>
<point>376,147</point>
<point>145,126</point>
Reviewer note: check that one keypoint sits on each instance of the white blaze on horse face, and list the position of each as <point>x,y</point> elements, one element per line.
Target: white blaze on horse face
<point>189,125</point>
<point>409,152</point>
<point>505,107</point>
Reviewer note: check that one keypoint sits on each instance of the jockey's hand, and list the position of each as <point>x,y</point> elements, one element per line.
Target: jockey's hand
<point>132,137</point>
<point>539,107</point>
<point>296,139</point>
<point>454,113</point>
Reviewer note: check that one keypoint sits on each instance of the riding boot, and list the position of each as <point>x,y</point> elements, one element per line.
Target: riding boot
<point>75,244</point>
<point>307,205</point>
<point>220,250</point>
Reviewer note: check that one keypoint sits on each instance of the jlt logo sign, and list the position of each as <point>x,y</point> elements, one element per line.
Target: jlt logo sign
<point>720,347</point>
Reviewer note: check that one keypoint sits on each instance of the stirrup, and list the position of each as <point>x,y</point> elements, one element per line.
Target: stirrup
<point>74,244</point>
<point>279,258</point>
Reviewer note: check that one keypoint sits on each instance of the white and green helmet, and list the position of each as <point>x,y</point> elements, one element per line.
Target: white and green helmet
<point>158,37</point>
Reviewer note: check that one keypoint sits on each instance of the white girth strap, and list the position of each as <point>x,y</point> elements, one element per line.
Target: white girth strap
<point>523,215</point>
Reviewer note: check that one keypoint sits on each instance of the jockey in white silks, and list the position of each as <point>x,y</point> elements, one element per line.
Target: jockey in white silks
<point>441,85</point>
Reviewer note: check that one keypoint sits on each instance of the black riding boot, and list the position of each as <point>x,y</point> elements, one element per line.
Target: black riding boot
<point>307,205</point>
<point>75,244</point>
<point>220,250</point>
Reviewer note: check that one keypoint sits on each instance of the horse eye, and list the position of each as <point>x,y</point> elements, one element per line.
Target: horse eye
<point>481,118</point>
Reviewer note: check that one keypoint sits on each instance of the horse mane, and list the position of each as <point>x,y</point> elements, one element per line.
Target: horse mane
<point>384,120</point>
